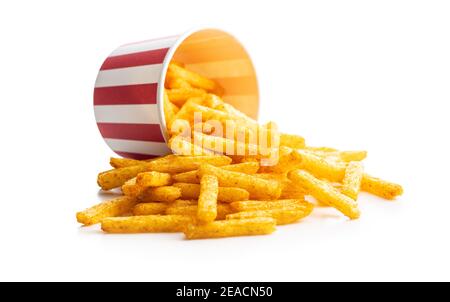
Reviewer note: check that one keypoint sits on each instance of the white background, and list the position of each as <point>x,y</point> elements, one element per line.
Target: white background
<point>371,75</point>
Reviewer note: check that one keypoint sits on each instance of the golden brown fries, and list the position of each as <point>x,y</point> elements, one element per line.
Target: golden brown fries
<point>150,208</point>
<point>161,194</point>
<point>257,187</point>
<point>153,179</point>
<point>191,210</point>
<point>207,200</point>
<point>109,208</point>
<point>222,158</point>
<point>226,194</point>
<point>352,179</point>
<point>117,177</point>
<point>124,162</point>
<point>379,187</point>
<point>256,205</point>
<point>192,176</point>
<point>145,224</point>
<point>227,228</point>
<point>324,192</point>
<point>282,216</point>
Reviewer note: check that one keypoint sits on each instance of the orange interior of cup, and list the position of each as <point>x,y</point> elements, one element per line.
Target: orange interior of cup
<point>220,57</point>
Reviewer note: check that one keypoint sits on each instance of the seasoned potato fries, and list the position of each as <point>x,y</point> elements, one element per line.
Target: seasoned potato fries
<point>228,175</point>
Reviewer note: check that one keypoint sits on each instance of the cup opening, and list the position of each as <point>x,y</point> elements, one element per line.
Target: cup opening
<point>219,56</point>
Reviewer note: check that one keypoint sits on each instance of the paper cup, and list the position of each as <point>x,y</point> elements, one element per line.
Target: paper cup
<point>128,93</point>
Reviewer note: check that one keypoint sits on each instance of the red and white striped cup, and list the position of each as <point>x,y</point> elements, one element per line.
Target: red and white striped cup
<point>128,94</point>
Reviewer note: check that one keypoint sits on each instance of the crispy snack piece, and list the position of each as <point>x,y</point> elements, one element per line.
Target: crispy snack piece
<point>379,187</point>
<point>192,78</point>
<point>192,176</point>
<point>179,96</point>
<point>325,192</point>
<point>170,109</point>
<point>352,179</point>
<point>191,210</point>
<point>116,162</point>
<point>150,208</point>
<point>257,187</point>
<point>131,188</point>
<point>181,146</point>
<point>117,177</point>
<point>161,194</point>
<point>256,205</point>
<point>207,200</point>
<point>229,228</point>
<point>226,194</point>
<point>321,167</point>
<point>292,141</point>
<point>109,208</point>
<point>153,179</point>
<point>146,224</point>
<point>282,216</point>
<point>179,164</point>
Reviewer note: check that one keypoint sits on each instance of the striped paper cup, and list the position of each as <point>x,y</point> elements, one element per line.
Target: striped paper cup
<point>128,94</point>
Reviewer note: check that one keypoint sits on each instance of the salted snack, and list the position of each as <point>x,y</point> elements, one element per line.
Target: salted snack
<point>228,175</point>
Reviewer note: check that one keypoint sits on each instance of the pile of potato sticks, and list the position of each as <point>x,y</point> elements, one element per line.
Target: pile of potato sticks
<point>244,181</point>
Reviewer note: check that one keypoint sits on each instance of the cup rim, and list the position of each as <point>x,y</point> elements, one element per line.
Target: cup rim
<point>165,65</point>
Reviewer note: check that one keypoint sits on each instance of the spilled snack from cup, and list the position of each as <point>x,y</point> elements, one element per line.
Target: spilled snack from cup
<point>226,175</point>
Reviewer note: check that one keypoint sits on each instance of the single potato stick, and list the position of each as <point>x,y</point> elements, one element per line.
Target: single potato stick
<point>325,192</point>
<point>179,164</point>
<point>192,78</point>
<point>153,179</point>
<point>256,205</point>
<point>150,208</point>
<point>117,177</point>
<point>282,216</point>
<point>379,187</point>
<point>109,208</point>
<point>229,228</point>
<point>146,224</point>
<point>161,194</point>
<point>207,200</point>
<point>124,162</point>
<point>191,210</point>
<point>257,187</point>
<point>192,176</point>
<point>352,179</point>
<point>226,194</point>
